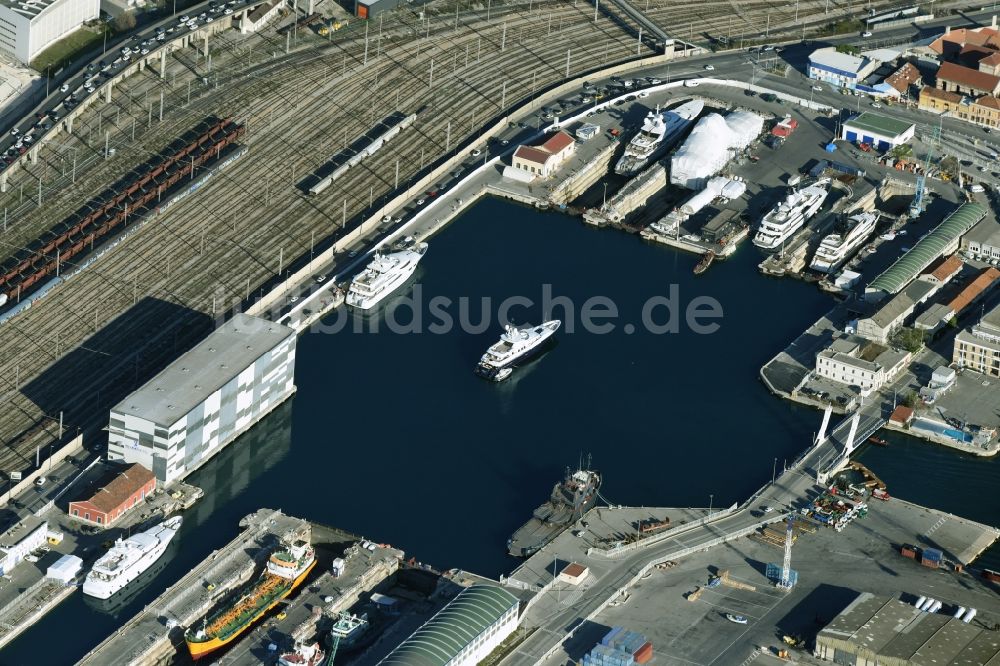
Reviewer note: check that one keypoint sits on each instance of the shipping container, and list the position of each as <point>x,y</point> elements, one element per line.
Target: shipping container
<point>644,654</point>
<point>909,551</point>
<point>933,564</point>
<point>932,554</point>
<point>608,637</point>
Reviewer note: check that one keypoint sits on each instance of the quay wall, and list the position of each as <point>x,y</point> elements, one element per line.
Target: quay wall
<point>370,223</point>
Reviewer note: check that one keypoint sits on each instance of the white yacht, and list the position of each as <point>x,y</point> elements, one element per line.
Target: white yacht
<point>383,275</point>
<point>128,558</point>
<point>659,131</point>
<point>837,247</point>
<point>515,345</point>
<point>788,216</point>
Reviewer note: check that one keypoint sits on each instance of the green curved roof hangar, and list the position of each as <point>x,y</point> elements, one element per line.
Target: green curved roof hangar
<point>928,248</point>
<point>454,627</point>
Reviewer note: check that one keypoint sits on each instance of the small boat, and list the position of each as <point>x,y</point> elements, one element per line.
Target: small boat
<point>706,261</point>
<point>878,441</point>
<point>502,374</point>
<point>738,619</point>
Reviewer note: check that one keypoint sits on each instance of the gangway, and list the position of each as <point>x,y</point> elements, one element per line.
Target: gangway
<point>662,38</point>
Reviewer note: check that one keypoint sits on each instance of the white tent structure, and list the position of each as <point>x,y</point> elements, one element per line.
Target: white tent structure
<point>712,143</point>
<point>65,569</point>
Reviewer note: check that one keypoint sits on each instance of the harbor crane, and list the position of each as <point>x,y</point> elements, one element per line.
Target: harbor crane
<point>787,582</point>
<point>917,207</point>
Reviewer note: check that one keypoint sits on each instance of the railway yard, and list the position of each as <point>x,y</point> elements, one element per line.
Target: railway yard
<point>300,99</point>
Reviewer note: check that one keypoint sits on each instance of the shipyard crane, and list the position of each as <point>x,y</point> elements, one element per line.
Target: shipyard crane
<point>917,207</point>
<point>786,582</point>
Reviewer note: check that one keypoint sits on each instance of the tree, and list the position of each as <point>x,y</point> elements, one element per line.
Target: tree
<point>847,48</point>
<point>125,21</point>
<point>901,151</point>
<point>909,399</point>
<point>910,339</point>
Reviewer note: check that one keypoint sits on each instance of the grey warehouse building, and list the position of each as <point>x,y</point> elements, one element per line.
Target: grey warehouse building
<point>205,399</point>
<point>873,631</point>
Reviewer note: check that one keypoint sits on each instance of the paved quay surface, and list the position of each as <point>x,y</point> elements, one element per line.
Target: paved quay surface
<point>832,566</point>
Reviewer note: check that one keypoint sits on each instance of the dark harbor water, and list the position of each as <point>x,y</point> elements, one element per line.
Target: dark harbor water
<point>391,436</point>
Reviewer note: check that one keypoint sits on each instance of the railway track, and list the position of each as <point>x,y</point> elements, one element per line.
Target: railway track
<point>135,309</point>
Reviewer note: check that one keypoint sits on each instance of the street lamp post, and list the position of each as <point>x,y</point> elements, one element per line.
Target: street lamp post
<point>774,471</point>
<point>710,498</point>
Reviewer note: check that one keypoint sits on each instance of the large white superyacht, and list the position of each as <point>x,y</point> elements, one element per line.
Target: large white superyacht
<point>837,247</point>
<point>787,217</point>
<point>384,275</point>
<point>128,558</point>
<point>658,132</point>
<point>515,345</point>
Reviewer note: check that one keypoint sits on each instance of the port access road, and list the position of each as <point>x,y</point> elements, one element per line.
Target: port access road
<point>557,616</point>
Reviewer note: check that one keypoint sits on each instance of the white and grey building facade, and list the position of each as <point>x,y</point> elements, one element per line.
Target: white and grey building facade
<point>28,27</point>
<point>205,399</point>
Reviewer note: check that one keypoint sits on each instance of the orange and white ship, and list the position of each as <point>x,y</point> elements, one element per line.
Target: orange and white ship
<point>286,569</point>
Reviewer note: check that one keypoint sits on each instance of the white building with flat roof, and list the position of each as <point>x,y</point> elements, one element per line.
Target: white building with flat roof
<point>841,70</point>
<point>856,362</point>
<point>205,399</point>
<point>28,27</point>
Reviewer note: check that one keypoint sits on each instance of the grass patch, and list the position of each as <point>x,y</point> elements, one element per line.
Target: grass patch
<point>505,648</point>
<point>66,49</point>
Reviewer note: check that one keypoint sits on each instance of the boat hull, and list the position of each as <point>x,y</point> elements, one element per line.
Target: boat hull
<point>200,649</point>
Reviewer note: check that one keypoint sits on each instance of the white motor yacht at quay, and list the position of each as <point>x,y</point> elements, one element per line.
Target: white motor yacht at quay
<point>788,216</point>
<point>385,274</point>
<point>515,345</point>
<point>128,558</point>
<point>659,130</point>
<point>837,247</point>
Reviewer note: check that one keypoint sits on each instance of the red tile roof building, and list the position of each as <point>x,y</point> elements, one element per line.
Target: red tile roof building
<point>110,502</point>
<point>544,159</point>
<point>974,290</point>
<point>965,80</point>
<point>903,77</point>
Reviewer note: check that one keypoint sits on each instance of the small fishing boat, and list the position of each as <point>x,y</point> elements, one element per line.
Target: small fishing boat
<point>706,261</point>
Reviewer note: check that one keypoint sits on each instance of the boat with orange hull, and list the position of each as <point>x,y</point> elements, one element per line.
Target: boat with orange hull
<point>285,571</point>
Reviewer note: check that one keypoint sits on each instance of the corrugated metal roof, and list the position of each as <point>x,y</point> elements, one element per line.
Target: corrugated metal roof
<point>929,248</point>
<point>446,634</point>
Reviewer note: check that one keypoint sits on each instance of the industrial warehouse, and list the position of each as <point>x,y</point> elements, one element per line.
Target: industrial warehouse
<point>205,399</point>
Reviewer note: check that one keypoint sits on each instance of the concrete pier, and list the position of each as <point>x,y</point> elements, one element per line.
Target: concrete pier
<point>578,183</point>
<point>29,606</point>
<point>630,198</point>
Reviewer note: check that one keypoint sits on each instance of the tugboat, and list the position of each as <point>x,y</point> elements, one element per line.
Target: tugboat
<point>878,441</point>
<point>706,261</point>
<point>570,499</point>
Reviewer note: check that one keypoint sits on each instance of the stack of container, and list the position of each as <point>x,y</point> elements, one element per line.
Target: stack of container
<point>931,557</point>
<point>620,647</point>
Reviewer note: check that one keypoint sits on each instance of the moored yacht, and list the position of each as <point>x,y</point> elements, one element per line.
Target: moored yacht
<point>659,131</point>
<point>779,224</point>
<point>515,346</point>
<point>384,275</point>
<point>837,247</point>
<point>128,558</point>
